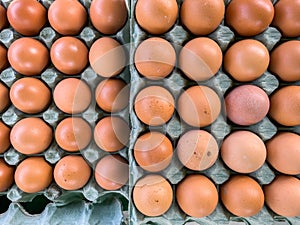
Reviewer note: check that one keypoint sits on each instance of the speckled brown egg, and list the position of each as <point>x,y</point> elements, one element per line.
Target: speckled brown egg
<point>249,18</point>
<point>108,17</point>
<point>112,172</point>
<point>30,95</point>
<point>247,105</point>
<point>111,133</point>
<point>112,95</point>
<point>154,105</point>
<point>246,60</point>
<point>242,196</point>
<point>199,106</point>
<point>72,96</point>
<point>31,135</point>
<point>3,58</point>
<point>6,175</point>
<point>27,16</point>
<point>73,134</point>
<point>243,156</point>
<point>107,57</point>
<point>153,151</point>
<point>3,18</point>
<point>287,17</point>
<point>283,196</point>
<point>152,195</point>
<point>67,17</point>
<point>202,17</point>
<point>197,150</point>
<point>285,106</point>
<point>33,174</point>
<point>197,196</point>
<point>4,97</point>
<point>285,61</point>
<point>200,59</point>
<point>4,137</point>
<point>155,58</point>
<point>284,153</point>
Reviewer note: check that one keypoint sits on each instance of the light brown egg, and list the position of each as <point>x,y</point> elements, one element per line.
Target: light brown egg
<point>112,172</point>
<point>285,61</point>
<point>152,195</point>
<point>155,58</point>
<point>200,59</point>
<point>199,106</point>
<point>28,56</point>
<point>283,196</point>
<point>246,60</point>
<point>285,106</point>
<point>153,151</point>
<point>3,57</point>
<point>202,17</point>
<point>6,175</point>
<point>4,97</point>
<point>243,156</point>
<point>30,95</point>
<point>242,196</point>
<point>112,95</point>
<point>197,196</point>
<point>111,133</point>
<point>284,153</point>
<point>73,134</point>
<point>31,136</point>
<point>3,18</point>
<point>72,96</point>
<point>249,18</point>
<point>72,172</point>
<point>108,17</point>
<point>247,105</point>
<point>156,16</point>
<point>4,137</point>
<point>107,57</point>
<point>67,17</point>
<point>197,150</point>
<point>154,105</point>
<point>33,174</point>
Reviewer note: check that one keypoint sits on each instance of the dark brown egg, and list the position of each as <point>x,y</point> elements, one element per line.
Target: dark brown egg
<point>4,97</point>
<point>4,137</point>
<point>3,58</point>
<point>3,18</point>
<point>6,175</point>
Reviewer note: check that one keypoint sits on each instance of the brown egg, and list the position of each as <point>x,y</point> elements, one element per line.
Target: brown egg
<point>28,56</point>
<point>283,196</point>
<point>4,98</point>
<point>154,105</point>
<point>69,55</point>
<point>72,172</point>
<point>107,57</point>
<point>30,95</point>
<point>197,150</point>
<point>155,58</point>
<point>111,134</point>
<point>3,18</point>
<point>285,106</point>
<point>285,61</point>
<point>199,106</point>
<point>156,16</point>
<point>6,175</point>
<point>153,151</point>
<point>108,17</point>
<point>202,17</point>
<point>27,16</point>
<point>33,174</point>
<point>197,196</point>
<point>4,137</point>
<point>67,17</point>
<point>246,60</point>
<point>112,172</point>
<point>287,17</point>
<point>249,18</point>
<point>73,134</point>
<point>243,156</point>
<point>3,57</point>
<point>72,96</point>
<point>247,105</point>
<point>112,95</point>
<point>242,196</point>
<point>31,136</point>
<point>284,153</point>
<point>152,195</point>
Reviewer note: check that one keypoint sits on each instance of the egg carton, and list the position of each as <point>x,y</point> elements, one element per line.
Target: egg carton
<point>219,172</point>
